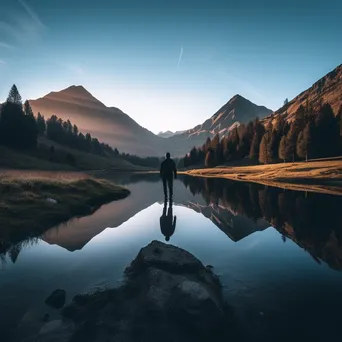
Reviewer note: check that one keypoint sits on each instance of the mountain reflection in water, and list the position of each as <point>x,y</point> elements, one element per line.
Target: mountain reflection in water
<point>233,226</point>
<point>311,220</point>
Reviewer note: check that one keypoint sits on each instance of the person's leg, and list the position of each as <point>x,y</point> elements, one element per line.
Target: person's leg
<point>170,183</point>
<point>164,187</point>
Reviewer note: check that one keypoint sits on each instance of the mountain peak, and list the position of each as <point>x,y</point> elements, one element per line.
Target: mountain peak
<point>76,90</point>
<point>236,98</point>
<point>74,93</point>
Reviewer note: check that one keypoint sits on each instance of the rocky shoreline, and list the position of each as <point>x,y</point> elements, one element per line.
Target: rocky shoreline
<point>168,295</point>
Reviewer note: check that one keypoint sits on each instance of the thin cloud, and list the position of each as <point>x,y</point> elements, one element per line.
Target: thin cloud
<point>76,69</point>
<point>5,45</point>
<point>180,57</point>
<point>32,14</point>
<point>10,30</point>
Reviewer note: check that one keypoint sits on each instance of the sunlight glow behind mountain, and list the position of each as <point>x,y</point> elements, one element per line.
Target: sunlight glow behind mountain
<point>168,66</point>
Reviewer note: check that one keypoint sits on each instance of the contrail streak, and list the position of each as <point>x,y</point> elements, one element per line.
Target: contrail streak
<point>32,14</point>
<point>180,57</point>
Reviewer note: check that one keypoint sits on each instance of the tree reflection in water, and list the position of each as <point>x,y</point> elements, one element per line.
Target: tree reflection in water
<point>312,220</point>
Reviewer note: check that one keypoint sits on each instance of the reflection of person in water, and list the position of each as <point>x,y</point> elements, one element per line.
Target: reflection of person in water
<point>167,222</point>
<point>168,171</point>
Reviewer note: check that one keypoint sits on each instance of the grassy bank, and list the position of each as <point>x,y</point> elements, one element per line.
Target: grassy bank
<point>25,210</point>
<point>42,159</point>
<point>322,176</point>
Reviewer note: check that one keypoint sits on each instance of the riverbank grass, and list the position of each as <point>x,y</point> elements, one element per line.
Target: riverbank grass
<point>317,176</point>
<point>29,204</point>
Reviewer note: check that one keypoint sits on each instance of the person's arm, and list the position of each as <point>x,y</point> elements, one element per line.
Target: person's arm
<point>175,169</point>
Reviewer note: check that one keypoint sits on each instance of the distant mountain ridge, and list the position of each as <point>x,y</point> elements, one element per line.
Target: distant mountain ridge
<point>237,110</point>
<point>114,127</point>
<point>169,134</point>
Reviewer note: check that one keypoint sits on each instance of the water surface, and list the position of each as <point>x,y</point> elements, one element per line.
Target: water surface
<point>278,254</point>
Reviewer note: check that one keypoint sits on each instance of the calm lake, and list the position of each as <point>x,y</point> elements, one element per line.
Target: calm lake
<point>278,254</point>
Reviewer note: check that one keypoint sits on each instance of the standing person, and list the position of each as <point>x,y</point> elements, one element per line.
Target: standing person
<point>168,171</point>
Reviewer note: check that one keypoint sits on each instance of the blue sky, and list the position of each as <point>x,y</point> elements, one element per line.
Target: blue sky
<point>158,60</point>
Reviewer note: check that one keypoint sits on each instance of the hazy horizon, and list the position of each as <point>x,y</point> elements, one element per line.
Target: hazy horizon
<point>168,66</point>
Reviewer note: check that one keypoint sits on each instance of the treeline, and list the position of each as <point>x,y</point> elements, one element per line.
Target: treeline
<point>311,134</point>
<point>20,129</point>
<point>67,134</point>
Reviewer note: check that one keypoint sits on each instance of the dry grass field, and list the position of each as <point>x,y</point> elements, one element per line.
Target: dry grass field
<point>320,176</point>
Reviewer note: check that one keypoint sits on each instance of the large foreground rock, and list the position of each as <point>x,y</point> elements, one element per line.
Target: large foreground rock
<point>168,296</point>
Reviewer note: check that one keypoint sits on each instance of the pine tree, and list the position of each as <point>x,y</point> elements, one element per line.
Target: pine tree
<point>75,130</point>
<point>207,145</point>
<point>31,131</point>
<point>14,96</point>
<point>273,145</point>
<point>209,158</point>
<point>255,144</point>
<point>17,130</point>
<point>291,141</point>
<point>193,156</point>
<point>27,109</point>
<point>259,131</point>
<point>215,142</point>
<point>339,123</point>
<point>264,148</point>
<point>296,126</point>
<point>282,148</point>
<point>300,146</point>
<point>327,132</point>
<point>41,124</point>
<point>308,137</point>
<point>216,149</point>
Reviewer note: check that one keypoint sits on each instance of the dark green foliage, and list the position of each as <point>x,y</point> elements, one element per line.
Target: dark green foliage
<point>41,124</point>
<point>194,156</point>
<point>67,134</point>
<point>282,148</point>
<point>14,96</point>
<point>209,158</point>
<point>259,131</point>
<point>305,142</point>
<point>301,150</point>
<point>70,159</point>
<point>30,130</point>
<point>146,161</point>
<point>311,134</point>
<point>17,127</point>
<point>327,132</point>
<point>264,148</point>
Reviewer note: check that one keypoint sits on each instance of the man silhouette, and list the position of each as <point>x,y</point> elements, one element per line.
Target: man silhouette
<point>167,227</point>
<point>168,171</point>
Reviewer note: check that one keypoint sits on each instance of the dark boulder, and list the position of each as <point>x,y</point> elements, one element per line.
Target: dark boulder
<point>56,299</point>
<point>168,295</point>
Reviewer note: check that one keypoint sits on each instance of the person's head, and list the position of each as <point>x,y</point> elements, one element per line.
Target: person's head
<point>168,155</point>
<point>167,238</point>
